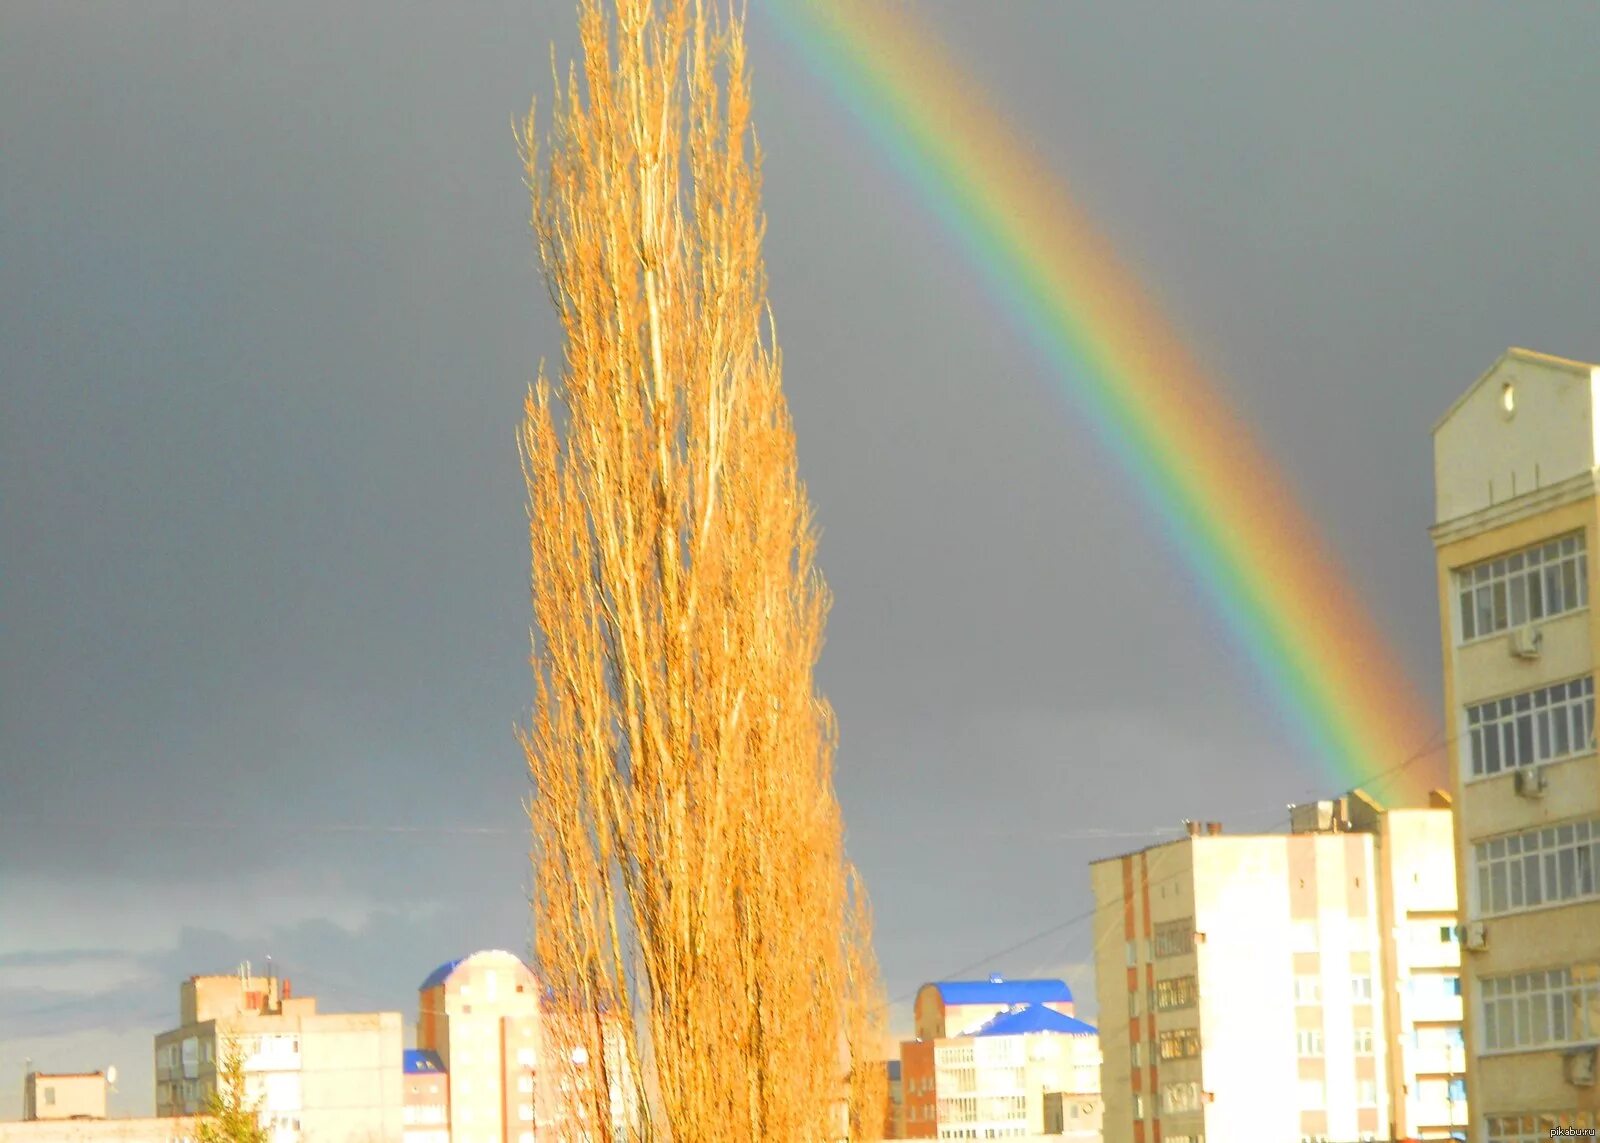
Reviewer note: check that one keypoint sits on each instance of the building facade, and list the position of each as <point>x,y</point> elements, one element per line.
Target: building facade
<point>999,1059</point>
<point>78,1095</point>
<point>320,1078</point>
<point>1301,986</point>
<point>1515,520</point>
<point>480,1017</point>
<point>426,1113</point>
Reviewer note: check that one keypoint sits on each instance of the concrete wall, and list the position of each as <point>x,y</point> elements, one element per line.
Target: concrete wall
<point>155,1130</point>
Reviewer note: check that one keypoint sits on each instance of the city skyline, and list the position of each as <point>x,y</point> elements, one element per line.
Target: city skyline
<point>270,310</point>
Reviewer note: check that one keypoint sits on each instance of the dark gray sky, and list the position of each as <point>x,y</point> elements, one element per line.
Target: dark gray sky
<point>268,308</point>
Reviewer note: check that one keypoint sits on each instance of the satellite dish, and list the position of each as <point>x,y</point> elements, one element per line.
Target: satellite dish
<point>111,1075</point>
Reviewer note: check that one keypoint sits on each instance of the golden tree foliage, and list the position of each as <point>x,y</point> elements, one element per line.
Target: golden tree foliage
<point>704,941</point>
<point>231,1116</point>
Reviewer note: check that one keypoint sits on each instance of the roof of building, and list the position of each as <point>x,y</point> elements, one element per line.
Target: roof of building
<point>419,1062</point>
<point>439,975</point>
<point>998,990</point>
<point>1025,1018</point>
<point>1515,353</point>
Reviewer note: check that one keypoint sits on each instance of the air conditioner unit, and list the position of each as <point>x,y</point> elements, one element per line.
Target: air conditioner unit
<point>1531,783</point>
<point>1526,641</point>
<point>1579,1066</point>
<point>1476,937</point>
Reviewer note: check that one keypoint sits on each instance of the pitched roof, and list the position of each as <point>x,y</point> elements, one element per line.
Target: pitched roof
<point>422,1062</point>
<point>1025,1018</point>
<point>998,990</point>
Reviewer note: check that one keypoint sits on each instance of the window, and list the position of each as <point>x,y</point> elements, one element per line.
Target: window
<point>1312,1094</point>
<point>1361,989</point>
<point>1541,582</point>
<point>1458,1091</point>
<point>1530,1010</point>
<point>1134,1053</point>
<point>1133,953</point>
<point>1174,939</point>
<point>1447,934</point>
<point>1308,1042</point>
<point>1535,726</point>
<point>1367,1093</point>
<point>1364,1041</point>
<point>1537,868</point>
<point>1180,1097</point>
<point>1536,1127</point>
<point>1179,992</point>
<point>1308,990</point>
<point>1133,1004</point>
<point>49,1097</point>
<point>1139,1109</point>
<point>1179,1044</point>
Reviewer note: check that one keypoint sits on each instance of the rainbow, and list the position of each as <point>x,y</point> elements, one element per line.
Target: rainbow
<point>1225,507</point>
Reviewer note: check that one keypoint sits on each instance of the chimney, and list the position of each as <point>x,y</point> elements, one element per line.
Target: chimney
<point>1192,827</point>
<point>1213,829</point>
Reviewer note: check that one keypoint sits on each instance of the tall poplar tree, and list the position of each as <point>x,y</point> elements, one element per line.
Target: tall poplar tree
<point>702,938</point>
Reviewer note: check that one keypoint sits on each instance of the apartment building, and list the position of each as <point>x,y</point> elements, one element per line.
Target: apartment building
<point>1272,987</point>
<point>320,1077</point>
<point>494,1030</point>
<point>1515,518</point>
<point>999,1059</point>
<point>426,1113</point>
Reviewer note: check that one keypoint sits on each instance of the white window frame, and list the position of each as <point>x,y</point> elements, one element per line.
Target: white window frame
<point>1529,728</point>
<point>1542,868</point>
<point>1511,590</point>
<point>1533,1011</point>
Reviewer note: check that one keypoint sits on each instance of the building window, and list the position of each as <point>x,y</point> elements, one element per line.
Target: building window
<point>49,1097</point>
<point>1180,1097</point>
<point>1367,1093</point>
<point>1179,1044</point>
<point>1179,992</point>
<point>1139,1109</point>
<point>1175,939</point>
<point>1537,868</point>
<point>1308,1042</point>
<point>1535,726</point>
<point>1536,1127</point>
<point>1540,582</point>
<point>1530,1010</point>
<point>1448,934</point>
<point>1312,1095</point>
<point>1308,990</point>
<point>1133,953</point>
<point>1364,1041</point>
<point>1361,989</point>
<point>1134,1053</point>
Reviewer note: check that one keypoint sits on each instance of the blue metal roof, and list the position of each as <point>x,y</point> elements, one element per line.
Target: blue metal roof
<point>421,1062</point>
<point>439,975</point>
<point>1027,1018</point>
<point>997,990</point>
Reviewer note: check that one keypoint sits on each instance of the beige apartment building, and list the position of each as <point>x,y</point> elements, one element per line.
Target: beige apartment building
<point>78,1095</point>
<point>485,1019</point>
<point>320,1077</point>
<point>1301,986</point>
<point>1515,471</point>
